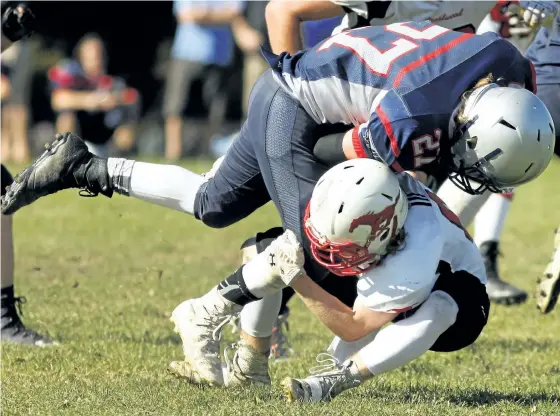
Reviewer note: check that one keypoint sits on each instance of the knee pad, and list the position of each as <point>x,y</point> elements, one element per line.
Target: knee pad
<point>442,304</point>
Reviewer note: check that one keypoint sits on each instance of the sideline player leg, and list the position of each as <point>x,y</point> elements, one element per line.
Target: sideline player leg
<point>12,327</point>
<point>548,285</point>
<point>488,213</point>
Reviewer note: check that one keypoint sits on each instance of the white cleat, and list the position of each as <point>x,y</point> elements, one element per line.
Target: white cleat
<point>548,287</point>
<point>247,366</point>
<point>327,381</point>
<point>199,322</point>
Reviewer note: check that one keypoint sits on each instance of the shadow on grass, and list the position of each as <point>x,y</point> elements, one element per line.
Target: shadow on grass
<point>517,345</point>
<point>459,397</point>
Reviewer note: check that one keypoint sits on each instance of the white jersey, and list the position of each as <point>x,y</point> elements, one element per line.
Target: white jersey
<point>456,15</point>
<point>434,237</point>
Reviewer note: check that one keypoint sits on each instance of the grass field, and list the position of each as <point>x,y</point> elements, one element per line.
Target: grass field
<point>102,276</point>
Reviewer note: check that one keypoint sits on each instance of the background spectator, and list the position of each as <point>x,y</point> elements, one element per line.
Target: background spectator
<point>92,103</point>
<point>16,75</point>
<point>202,50</point>
<point>249,30</point>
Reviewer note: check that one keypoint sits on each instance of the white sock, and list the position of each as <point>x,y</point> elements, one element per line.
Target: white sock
<point>406,340</point>
<point>490,220</point>
<point>258,318</point>
<point>166,185</point>
<point>465,206</point>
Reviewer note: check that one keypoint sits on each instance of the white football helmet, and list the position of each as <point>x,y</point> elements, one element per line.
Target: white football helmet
<point>507,141</point>
<point>356,209</point>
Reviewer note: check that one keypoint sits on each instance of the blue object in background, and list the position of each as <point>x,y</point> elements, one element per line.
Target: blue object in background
<point>317,30</point>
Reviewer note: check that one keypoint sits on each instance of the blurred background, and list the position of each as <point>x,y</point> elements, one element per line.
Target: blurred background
<point>140,78</point>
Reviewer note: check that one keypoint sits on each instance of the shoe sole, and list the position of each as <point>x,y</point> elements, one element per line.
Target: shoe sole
<point>21,179</point>
<point>547,299</point>
<point>550,301</point>
<point>290,387</point>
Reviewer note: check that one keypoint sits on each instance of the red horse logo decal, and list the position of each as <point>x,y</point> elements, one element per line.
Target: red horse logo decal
<point>379,222</point>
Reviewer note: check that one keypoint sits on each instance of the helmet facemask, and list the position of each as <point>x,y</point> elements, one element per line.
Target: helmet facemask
<point>470,173</point>
<point>467,171</point>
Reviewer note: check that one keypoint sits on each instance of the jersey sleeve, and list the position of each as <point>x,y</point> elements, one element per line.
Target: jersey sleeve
<point>404,280</point>
<point>65,74</point>
<point>508,64</point>
<point>405,143</point>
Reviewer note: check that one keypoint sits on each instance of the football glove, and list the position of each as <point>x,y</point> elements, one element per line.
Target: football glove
<point>534,12</point>
<point>18,21</point>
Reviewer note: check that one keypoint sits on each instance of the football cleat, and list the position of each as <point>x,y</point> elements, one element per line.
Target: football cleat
<point>280,347</point>
<point>498,291</point>
<point>327,381</point>
<point>66,163</point>
<point>199,322</point>
<point>247,366</point>
<point>13,330</point>
<point>548,286</point>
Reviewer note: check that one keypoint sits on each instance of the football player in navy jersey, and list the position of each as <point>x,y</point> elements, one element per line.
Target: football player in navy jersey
<point>419,96</point>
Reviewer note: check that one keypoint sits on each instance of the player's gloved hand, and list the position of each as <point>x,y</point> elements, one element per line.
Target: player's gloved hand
<point>18,21</point>
<point>534,12</point>
<point>290,257</point>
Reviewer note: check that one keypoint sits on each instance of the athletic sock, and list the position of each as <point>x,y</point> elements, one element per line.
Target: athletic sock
<point>490,220</point>
<point>166,185</point>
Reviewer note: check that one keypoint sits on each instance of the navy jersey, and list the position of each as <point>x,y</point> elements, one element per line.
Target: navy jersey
<point>398,84</point>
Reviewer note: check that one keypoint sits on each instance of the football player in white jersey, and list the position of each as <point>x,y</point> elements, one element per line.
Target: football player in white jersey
<point>417,268</point>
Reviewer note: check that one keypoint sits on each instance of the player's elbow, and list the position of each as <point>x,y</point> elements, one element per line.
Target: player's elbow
<point>277,10</point>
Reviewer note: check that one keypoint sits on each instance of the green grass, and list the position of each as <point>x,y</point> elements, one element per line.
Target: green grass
<point>102,276</point>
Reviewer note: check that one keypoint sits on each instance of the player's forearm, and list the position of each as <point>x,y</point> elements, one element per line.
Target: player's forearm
<point>205,16</point>
<point>334,314</point>
<point>6,90</point>
<point>284,18</point>
<point>64,100</point>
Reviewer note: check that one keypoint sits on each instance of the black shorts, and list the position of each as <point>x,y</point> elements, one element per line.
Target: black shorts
<point>474,308</point>
<point>7,179</point>
<point>343,288</point>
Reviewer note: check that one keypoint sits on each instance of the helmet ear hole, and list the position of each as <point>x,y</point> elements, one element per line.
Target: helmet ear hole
<point>508,125</point>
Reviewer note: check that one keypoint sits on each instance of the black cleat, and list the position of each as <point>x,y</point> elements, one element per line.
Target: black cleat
<point>498,291</point>
<point>13,329</point>
<point>66,163</point>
